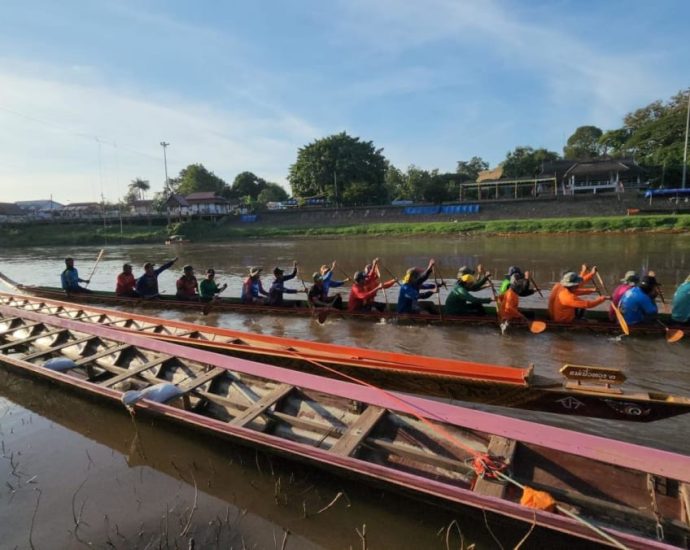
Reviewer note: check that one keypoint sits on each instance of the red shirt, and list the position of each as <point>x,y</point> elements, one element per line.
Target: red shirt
<point>125,284</point>
<point>187,286</point>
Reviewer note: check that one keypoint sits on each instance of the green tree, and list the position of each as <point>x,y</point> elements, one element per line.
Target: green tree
<point>468,170</point>
<point>247,184</point>
<point>396,183</point>
<point>195,178</point>
<point>526,161</point>
<point>613,142</point>
<point>272,192</point>
<point>583,144</point>
<point>138,187</point>
<point>330,166</point>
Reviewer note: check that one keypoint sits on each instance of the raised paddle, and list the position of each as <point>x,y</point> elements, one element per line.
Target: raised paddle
<point>672,334</point>
<point>98,259</point>
<point>616,310</point>
<point>378,275</point>
<point>392,276</point>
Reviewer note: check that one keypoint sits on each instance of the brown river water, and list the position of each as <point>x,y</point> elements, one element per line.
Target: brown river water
<point>78,473</point>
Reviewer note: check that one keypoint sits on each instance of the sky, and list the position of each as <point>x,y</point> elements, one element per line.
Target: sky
<point>89,89</point>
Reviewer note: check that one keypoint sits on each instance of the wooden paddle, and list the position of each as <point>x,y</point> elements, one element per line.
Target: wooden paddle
<point>663,299</point>
<point>438,294</point>
<point>322,314</point>
<point>378,275</point>
<point>536,286</point>
<point>672,335</point>
<point>392,276</point>
<point>98,259</point>
<point>619,314</point>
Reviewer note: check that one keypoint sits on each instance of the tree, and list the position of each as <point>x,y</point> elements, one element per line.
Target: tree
<point>139,186</point>
<point>583,144</point>
<point>469,170</point>
<point>330,166</point>
<point>613,142</point>
<point>396,183</point>
<point>247,184</point>
<point>272,192</point>
<point>195,178</point>
<point>526,162</point>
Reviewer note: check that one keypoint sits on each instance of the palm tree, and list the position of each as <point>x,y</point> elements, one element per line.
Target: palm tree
<point>141,186</point>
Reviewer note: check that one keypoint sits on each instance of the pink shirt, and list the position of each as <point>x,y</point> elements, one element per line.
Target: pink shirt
<point>616,297</point>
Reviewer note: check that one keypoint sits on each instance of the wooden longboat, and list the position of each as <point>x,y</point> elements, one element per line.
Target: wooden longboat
<point>606,491</point>
<point>588,392</point>
<point>597,322</point>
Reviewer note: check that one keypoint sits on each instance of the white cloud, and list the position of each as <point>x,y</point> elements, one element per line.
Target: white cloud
<point>52,128</point>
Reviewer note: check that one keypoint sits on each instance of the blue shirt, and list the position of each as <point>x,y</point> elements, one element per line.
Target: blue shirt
<point>70,278</point>
<point>147,285</point>
<point>328,282</point>
<point>681,304</point>
<point>409,295</point>
<point>637,306</point>
<point>275,293</point>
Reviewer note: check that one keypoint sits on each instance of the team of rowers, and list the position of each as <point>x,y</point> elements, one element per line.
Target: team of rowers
<point>635,296</point>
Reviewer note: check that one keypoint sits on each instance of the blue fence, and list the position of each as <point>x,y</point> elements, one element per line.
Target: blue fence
<point>447,209</point>
<point>248,218</point>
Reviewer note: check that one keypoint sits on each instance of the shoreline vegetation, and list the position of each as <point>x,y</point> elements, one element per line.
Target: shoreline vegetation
<point>204,231</point>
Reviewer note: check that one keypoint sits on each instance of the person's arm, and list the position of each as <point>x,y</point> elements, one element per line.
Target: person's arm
<point>327,277</point>
<point>335,284</point>
<point>425,295</point>
<point>293,274</point>
<point>261,289</point>
<point>179,284</point>
<point>648,306</point>
<point>389,283</point>
<point>571,300</point>
<point>362,294</point>
<point>165,266</point>
<point>140,285</point>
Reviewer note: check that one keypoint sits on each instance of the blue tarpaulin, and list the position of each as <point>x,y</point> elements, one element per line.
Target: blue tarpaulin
<point>666,193</point>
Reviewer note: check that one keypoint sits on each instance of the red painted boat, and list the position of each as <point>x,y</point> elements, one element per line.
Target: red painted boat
<point>606,491</point>
<point>574,394</point>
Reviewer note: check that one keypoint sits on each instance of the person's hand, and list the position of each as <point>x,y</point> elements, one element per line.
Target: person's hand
<point>174,259</point>
<point>606,297</point>
<point>381,286</point>
<point>584,268</point>
<point>224,286</point>
<point>432,262</point>
<point>294,263</point>
<point>88,281</point>
<point>651,274</point>
<point>333,265</point>
<point>480,268</point>
<point>594,269</point>
<point>487,274</point>
<point>526,274</point>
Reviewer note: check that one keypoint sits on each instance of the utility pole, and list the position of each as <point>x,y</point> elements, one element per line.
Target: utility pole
<point>685,152</point>
<point>165,144</point>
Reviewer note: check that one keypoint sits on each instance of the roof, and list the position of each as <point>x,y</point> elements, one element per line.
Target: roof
<point>176,200</point>
<point>10,209</point>
<point>495,174</point>
<point>142,203</point>
<point>204,196</point>
<point>83,205</point>
<point>606,164</point>
<point>39,205</point>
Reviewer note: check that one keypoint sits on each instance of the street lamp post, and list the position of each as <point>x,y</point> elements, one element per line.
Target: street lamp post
<point>165,164</point>
<point>685,152</point>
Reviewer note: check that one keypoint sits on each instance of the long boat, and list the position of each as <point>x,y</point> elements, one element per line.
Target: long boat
<point>597,321</point>
<point>583,391</point>
<point>607,491</point>
<point>603,490</point>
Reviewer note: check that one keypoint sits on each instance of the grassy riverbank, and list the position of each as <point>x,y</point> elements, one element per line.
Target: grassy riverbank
<point>76,234</point>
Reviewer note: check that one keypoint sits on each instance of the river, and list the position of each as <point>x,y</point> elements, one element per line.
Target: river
<point>135,484</point>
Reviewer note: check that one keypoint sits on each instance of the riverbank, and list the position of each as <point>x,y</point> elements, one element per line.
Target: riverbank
<point>205,231</point>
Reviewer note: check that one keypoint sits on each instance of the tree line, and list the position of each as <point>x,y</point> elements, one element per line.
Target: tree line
<point>346,170</point>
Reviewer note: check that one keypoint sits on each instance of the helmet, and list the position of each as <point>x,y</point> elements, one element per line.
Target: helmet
<point>467,279</point>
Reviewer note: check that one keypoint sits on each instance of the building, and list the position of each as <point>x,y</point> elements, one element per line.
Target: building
<point>82,210</point>
<point>11,212</point>
<point>141,208</point>
<point>40,207</point>
<point>177,205</point>
<point>207,203</point>
<point>595,175</point>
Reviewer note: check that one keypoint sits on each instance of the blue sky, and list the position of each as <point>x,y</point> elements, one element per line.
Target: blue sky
<point>88,89</point>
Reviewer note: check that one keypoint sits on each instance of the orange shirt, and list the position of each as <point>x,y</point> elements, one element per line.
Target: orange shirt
<point>508,304</point>
<point>562,307</point>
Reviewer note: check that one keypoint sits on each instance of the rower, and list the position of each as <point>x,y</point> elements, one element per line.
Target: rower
<point>681,303</point>
<point>252,290</point>
<point>411,290</point>
<point>362,297</point>
<point>508,278</point>
<point>460,300</point>
<point>586,275</point>
<point>208,288</point>
<point>629,280</point>
<point>275,293</point>
<point>564,301</point>
<point>70,278</point>
<point>510,300</point>
<point>147,284</point>
<point>126,283</point>
<point>187,285</point>
<point>327,280</point>
<point>637,304</point>
<point>317,294</point>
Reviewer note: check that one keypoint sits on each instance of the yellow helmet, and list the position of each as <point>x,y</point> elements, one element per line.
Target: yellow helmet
<point>467,278</point>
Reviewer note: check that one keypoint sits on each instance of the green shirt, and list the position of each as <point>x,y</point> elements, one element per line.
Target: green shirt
<point>208,288</point>
<point>459,298</point>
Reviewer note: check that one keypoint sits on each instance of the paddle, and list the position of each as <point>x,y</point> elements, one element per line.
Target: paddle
<point>378,275</point>
<point>672,335</point>
<point>536,286</point>
<point>438,294</point>
<point>100,255</point>
<point>391,275</point>
<point>322,315</point>
<point>663,299</point>
<point>619,315</point>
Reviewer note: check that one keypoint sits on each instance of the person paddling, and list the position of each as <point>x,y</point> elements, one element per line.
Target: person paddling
<point>208,288</point>
<point>513,272</point>
<point>460,300</point>
<point>586,275</point>
<point>510,300</point>
<point>681,303</point>
<point>565,302</point>
<point>327,279</point>
<point>318,297</point>
<point>126,283</point>
<point>637,304</point>
<point>187,285</point>
<point>414,288</point>
<point>147,284</point>
<point>70,279</point>
<point>275,293</point>
<point>362,296</point>
<point>253,291</point>
<point>629,280</point>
